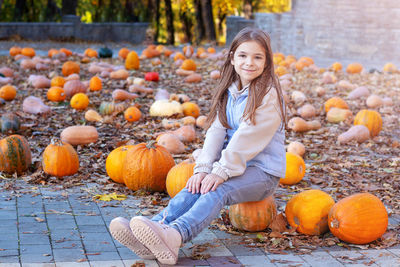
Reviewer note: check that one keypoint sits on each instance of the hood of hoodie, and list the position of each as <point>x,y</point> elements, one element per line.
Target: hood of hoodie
<point>235,92</point>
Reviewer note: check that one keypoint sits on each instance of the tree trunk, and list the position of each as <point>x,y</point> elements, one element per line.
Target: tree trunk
<point>51,11</point>
<point>187,24</point>
<point>248,9</point>
<point>208,20</point>
<point>19,10</point>
<point>157,33</point>
<point>1,4</point>
<point>200,31</point>
<point>69,7</point>
<point>129,11</point>
<point>170,22</point>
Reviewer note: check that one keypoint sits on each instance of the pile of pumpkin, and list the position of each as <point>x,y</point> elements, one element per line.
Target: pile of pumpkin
<point>152,167</point>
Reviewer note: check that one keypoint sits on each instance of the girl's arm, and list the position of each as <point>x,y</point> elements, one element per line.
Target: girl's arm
<point>213,143</point>
<point>249,139</point>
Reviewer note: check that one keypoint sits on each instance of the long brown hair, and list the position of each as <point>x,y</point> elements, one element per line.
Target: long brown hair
<point>259,87</point>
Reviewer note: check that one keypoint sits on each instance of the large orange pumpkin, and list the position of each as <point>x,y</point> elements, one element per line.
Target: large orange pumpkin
<point>115,161</point>
<point>295,169</point>
<point>335,102</point>
<point>359,219</point>
<point>371,119</point>
<point>308,211</point>
<point>95,84</point>
<point>178,176</point>
<point>70,67</point>
<point>8,92</point>
<point>132,61</point>
<point>56,94</point>
<point>146,167</point>
<point>254,215</point>
<point>60,159</point>
<point>15,154</point>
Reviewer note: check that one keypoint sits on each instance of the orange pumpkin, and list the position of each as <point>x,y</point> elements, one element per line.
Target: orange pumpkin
<point>211,50</point>
<point>69,68</point>
<point>179,55</point>
<point>308,211</point>
<point>295,169</point>
<point>89,52</point>
<point>114,163</point>
<point>8,92</point>
<point>57,81</point>
<point>60,159</point>
<point>132,61</point>
<point>188,50</point>
<point>281,70</point>
<point>188,64</point>
<point>15,50</point>
<point>132,114</point>
<point>15,154</point>
<point>79,101</point>
<point>28,52</point>
<point>336,67</point>
<point>66,51</point>
<point>52,52</point>
<point>371,119</point>
<point>300,65</point>
<point>123,52</point>
<point>336,102</point>
<point>146,167</point>
<point>254,215</point>
<point>354,68</point>
<point>191,109</point>
<point>359,219</point>
<point>56,94</point>
<point>200,51</point>
<point>307,61</point>
<point>178,176</point>
<point>95,84</point>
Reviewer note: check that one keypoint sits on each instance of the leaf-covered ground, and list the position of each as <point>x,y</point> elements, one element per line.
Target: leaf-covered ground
<point>337,169</point>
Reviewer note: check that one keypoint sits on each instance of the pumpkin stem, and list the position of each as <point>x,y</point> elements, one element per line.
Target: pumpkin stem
<point>334,223</point>
<point>150,144</point>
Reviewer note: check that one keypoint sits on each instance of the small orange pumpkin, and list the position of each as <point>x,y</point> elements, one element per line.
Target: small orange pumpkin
<point>132,114</point>
<point>191,109</point>
<point>336,102</point>
<point>308,211</point>
<point>132,61</point>
<point>15,50</point>
<point>52,52</point>
<point>123,52</point>
<point>66,51</point>
<point>188,64</point>
<point>90,52</point>
<point>179,55</point>
<point>146,167</point>
<point>211,50</point>
<point>57,81</point>
<point>358,219</point>
<point>8,92</point>
<point>354,68</point>
<point>114,163</point>
<point>60,159</point>
<point>70,67</point>
<point>371,119</point>
<point>79,101</point>
<point>56,94</point>
<point>336,66</point>
<point>95,84</point>
<point>178,176</point>
<point>295,169</point>
<point>28,52</point>
<point>254,215</point>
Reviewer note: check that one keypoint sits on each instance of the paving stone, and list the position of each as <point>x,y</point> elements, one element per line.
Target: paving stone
<point>89,220</point>
<point>381,257</point>
<point>10,237</point>
<point>38,265</point>
<point>30,219</point>
<point>98,228</point>
<point>321,256</point>
<point>66,244</point>
<point>223,261</point>
<point>100,237</point>
<point>8,244</point>
<point>35,249</point>
<point>115,263</point>
<point>218,250</point>
<point>285,260</point>
<point>96,246</point>
<point>127,254</point>
<point>103,256</point>
<point>35,258</point>
<point>61,223</point>
<point>33,227</point>
<point>185,261</point>
<point>205,236</point>
<point>9,252</point>
<point>68,255</point>
<point>254,261</point>
<point>72,264</point>
<point>241,250</point>
<point>349,257</point>
<point>4,263</point>
<point>34,239</point>
<point>70,234</point>
<point>9,214</point>
<point>148,263</point>
<point>8,223</point>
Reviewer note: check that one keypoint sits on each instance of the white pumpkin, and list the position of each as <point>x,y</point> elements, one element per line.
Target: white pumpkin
<point>165,108</point>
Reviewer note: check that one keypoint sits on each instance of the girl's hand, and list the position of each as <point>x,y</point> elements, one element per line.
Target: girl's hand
<point>194,182</point>
<point>210,182</point>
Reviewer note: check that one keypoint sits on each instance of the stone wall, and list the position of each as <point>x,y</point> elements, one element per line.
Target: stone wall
<point>134,33</point>
<point>337,30</point>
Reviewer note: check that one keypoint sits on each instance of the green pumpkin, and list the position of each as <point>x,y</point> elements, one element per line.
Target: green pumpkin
<point>105,52</point>
<point>2,75</point>
<point>15,154</point>
<point>106,108</point>
<point>9,123</point>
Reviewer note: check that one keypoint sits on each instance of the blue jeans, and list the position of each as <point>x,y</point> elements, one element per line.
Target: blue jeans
<point>191,213</point>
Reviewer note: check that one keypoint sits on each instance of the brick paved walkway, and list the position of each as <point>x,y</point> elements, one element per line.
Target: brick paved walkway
<point>50,226</point>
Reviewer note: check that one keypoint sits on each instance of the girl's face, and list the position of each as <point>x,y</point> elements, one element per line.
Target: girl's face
<point>249,61</point>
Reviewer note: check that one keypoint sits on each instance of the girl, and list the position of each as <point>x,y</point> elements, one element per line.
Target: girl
<point>242,160</point>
